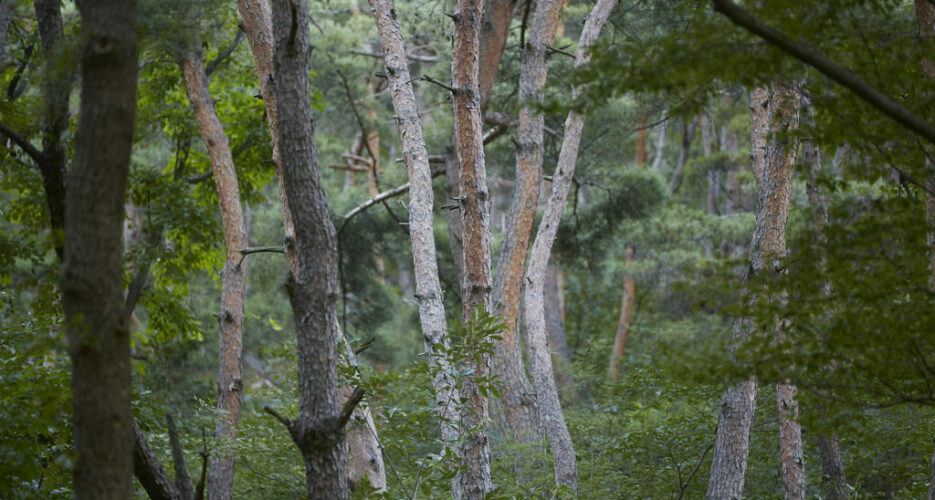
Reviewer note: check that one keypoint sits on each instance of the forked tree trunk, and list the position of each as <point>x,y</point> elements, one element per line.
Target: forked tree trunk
<point>519,401</point>
<point>428,289</point>
<point>318,431</point>
<point>92,284</point>
<point>623,325</point>
<point>234,276</point>
<point>474,202</point>
<point>834,481</point>
<point>774,110</point>
<point>540,356</point>
<point>364,456</point>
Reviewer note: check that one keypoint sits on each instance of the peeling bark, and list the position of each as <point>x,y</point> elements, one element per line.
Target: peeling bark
<point>540,356</point>
<point>96,320</point>
<point>519,402</point>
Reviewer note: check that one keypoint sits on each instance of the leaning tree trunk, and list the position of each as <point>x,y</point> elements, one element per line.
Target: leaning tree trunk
<point>428,288</point>
<point>234,275</point>
<point>474,202</point>
<point>364,456</point>
<point>519,401</point>
<point>540,356</point>
<point>318,431</point>
<point>92,283</point>
<point>774,111</point>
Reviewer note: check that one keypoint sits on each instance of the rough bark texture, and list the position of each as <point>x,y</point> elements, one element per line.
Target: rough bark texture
<point>92,284</point>
<point>729,463</point>
<point>428,289</point>
<point>773,110</point>
<point>474,203</point>
<point>623,325</point>
<point>790,443</point>
<point>364,457</point>
<point>234,276</point>
<point>519,401</point>
<point>55,89</point>
<point>833,480</point>
<point>318,430</point>
<point>540,356</point>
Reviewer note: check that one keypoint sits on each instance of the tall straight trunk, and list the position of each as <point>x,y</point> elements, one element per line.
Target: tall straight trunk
<point>623,325</point>
<point>428,288</point>
<point>774,110</point>
<point>364,456</point>
<point>234,276</point>
<point>540,356</point>
<point>92,283</point>
<point>318,431</point>
<point>688,134</point>
<point>925,12</point>
<point>474,203</point>
<point>714,177</point>
<point>494,28</point>
<point>834,481</point>
<point>519,402</point>
<point>641,137</point>
<point>55,90</point>
<point>7,10</point>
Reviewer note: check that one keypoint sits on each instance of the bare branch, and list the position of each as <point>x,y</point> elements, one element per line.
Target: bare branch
<point>411,57</point>
<point>266,249</point>
<point>810,56</point>
<point>285,421</point>
<point>349,406</point>
<point>379,199</point>
<point>23,144</point>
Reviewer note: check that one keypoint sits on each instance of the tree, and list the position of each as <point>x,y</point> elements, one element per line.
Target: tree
<point>92,285</point>
<point>540,355</point>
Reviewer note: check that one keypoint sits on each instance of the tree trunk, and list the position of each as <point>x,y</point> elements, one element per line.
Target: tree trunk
<point>540,356</point>
<point>714,179</point>
<point>318,431</point>
<point>364,456</point>
<point>92,283</point>
<point>234,276</point>
<point>623,326</point>
<point>55,90</point>
<point>7,11</point>
<point>149,471</point>
<point>641,137</point>
<point>519,401</point>
<point>474,202</point>
<point>688,133</point>
<point>428,289</point>
<point>659,159</point>
<point>774,110</point>
<point>555,326</point>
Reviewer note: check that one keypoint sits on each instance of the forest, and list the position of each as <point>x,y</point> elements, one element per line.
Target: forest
<point>329,249</point>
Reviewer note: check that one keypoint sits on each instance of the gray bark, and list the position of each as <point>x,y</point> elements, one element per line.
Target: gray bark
<point>540,355</point>
<point>96,320</point>
<point>428,289</point>
<point>318,431</point>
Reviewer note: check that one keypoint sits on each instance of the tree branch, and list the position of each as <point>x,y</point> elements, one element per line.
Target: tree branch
<point>379,199</point>
<point>285,421</point>
<point>810,56</point>
<point>183,482</point>
<point>267,249</point>
<point>23,144</point>
<point>213,65</point>
<point>411,57</point>
<point>349,406</point>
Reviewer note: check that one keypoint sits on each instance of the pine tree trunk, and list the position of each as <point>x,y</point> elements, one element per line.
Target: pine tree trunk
<point>318,431</point>
<point>688,134</point>
<point>519,402</point>
<point>659,159</point>
<point>623,325</point>
<point>774,110</point>
<point>364,457</point>
<point>474,202</point>
<point>92,284</point>
<point>555,326</point>
<point>540,355</point>
<point>234,276</point>
<point>428,289</point>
